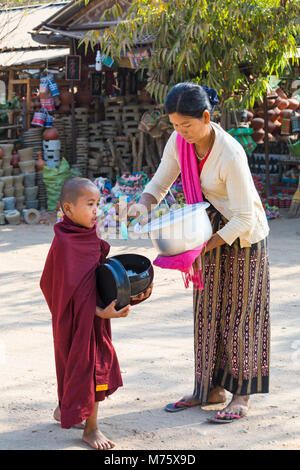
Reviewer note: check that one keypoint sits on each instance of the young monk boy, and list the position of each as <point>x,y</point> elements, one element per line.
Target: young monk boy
<point>87,367</point>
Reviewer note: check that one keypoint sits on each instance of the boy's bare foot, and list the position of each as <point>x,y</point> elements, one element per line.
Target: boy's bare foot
<point>96,439</point>
<point>56,416</point>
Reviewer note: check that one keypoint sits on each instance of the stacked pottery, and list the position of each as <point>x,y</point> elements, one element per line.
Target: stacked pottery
<point>42,192</point>
<point>11,215</point>
<point>7,168</point>
<point>19,191</point>
<point>27,166</point>
<point>2,216</point>
<point>1,162</point>
<point>280,110</point>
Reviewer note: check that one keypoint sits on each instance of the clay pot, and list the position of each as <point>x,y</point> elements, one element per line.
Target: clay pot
<point>65,102</point>
<point>32,204</point>
<point>271,103</point>
<point>29,179</point>
<point>51,134</point>
<point>271,138</point>
<point>259,112</point>
<point>276,113</point>
<point>7,171</point>
<point>66,98</point>
<point>282,103</point>
<point>258,136</point>
<point>293,104</point>
<point>15,160</point>
<point>20,202</point>
<point>31,193</point>
<point>277,129</point>
<point>25,154</point>
<point>7,149</point>
<point>19,191</point>
<point>40,163</point>
<point>9,192</point>
<point>13,217</point>
<point>272,116</point>
<point>9,203</point>
<point>286,113</point>
<point>271,127</point>
<point>31,216</point>
<point>7,181</point>
<point>257,123</point>
<point>27,167</point>
<point>281,93</point>
<point>250,116</point>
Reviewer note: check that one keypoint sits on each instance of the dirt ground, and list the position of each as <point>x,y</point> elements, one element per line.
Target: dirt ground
<point>155,350</point>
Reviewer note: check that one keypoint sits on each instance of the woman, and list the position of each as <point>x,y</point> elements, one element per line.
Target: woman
<point>231,313</point>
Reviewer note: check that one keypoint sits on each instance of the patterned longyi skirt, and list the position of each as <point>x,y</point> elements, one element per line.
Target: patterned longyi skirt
<point>231,318</point>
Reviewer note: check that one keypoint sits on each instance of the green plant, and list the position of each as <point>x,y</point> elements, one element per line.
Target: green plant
<point>233,46</point>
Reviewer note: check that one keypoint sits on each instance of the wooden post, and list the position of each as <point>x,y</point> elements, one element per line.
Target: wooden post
<point>73,158</point>
<point>267,171</point>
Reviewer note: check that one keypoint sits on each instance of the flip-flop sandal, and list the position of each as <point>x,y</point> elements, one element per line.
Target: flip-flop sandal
<point>172,407</point>
<point>226,418</point>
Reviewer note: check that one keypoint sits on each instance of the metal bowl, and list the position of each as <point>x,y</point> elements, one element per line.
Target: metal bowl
<point>179,230</point>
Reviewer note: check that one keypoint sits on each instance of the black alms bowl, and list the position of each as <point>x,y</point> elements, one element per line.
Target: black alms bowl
<point>113,283</point>
<point>122,277</point>
<point>139,271</point>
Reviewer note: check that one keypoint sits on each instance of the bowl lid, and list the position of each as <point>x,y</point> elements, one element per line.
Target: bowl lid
<point>173,217</point>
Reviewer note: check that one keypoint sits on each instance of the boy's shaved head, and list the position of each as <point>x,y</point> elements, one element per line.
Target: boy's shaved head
<point>74,188</point>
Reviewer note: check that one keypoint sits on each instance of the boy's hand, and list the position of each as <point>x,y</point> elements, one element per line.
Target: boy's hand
<point>139,298</point>
<point>111,312</point>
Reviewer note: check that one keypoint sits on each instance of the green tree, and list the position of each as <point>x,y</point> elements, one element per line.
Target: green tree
<point>233,46</point>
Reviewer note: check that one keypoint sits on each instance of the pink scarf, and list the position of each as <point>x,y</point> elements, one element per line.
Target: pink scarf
<point>193,194</point>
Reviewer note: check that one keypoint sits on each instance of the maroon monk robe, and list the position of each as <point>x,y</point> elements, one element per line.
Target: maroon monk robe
<point>87,367</point>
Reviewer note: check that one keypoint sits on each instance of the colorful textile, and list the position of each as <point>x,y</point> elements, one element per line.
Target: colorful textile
<point>231,318</point>
<point>243,136</point>
<point>87,367</point>
<point>286,126</point>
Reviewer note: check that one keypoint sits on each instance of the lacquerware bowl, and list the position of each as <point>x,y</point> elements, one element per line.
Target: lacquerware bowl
<point>122,277</point>
<point>113,283</point>
<point>139,271</point>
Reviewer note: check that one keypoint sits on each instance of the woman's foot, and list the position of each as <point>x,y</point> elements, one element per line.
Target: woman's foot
<point>238,407</point>
<point>96,439</point>
<point>56,416</point>
<point>216,395</point>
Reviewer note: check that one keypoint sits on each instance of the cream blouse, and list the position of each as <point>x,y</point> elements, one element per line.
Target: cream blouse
<point>226,182</point>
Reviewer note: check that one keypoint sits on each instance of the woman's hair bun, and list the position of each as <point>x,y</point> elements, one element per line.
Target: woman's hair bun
<point>212,95</point>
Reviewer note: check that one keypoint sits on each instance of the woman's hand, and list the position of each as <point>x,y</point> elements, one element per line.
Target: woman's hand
<point>214,242</point>
<point>143,208</point>
<point>197,263</point>
<point>145,295</point>
<point>111,312</point>
<point>138,211</point>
